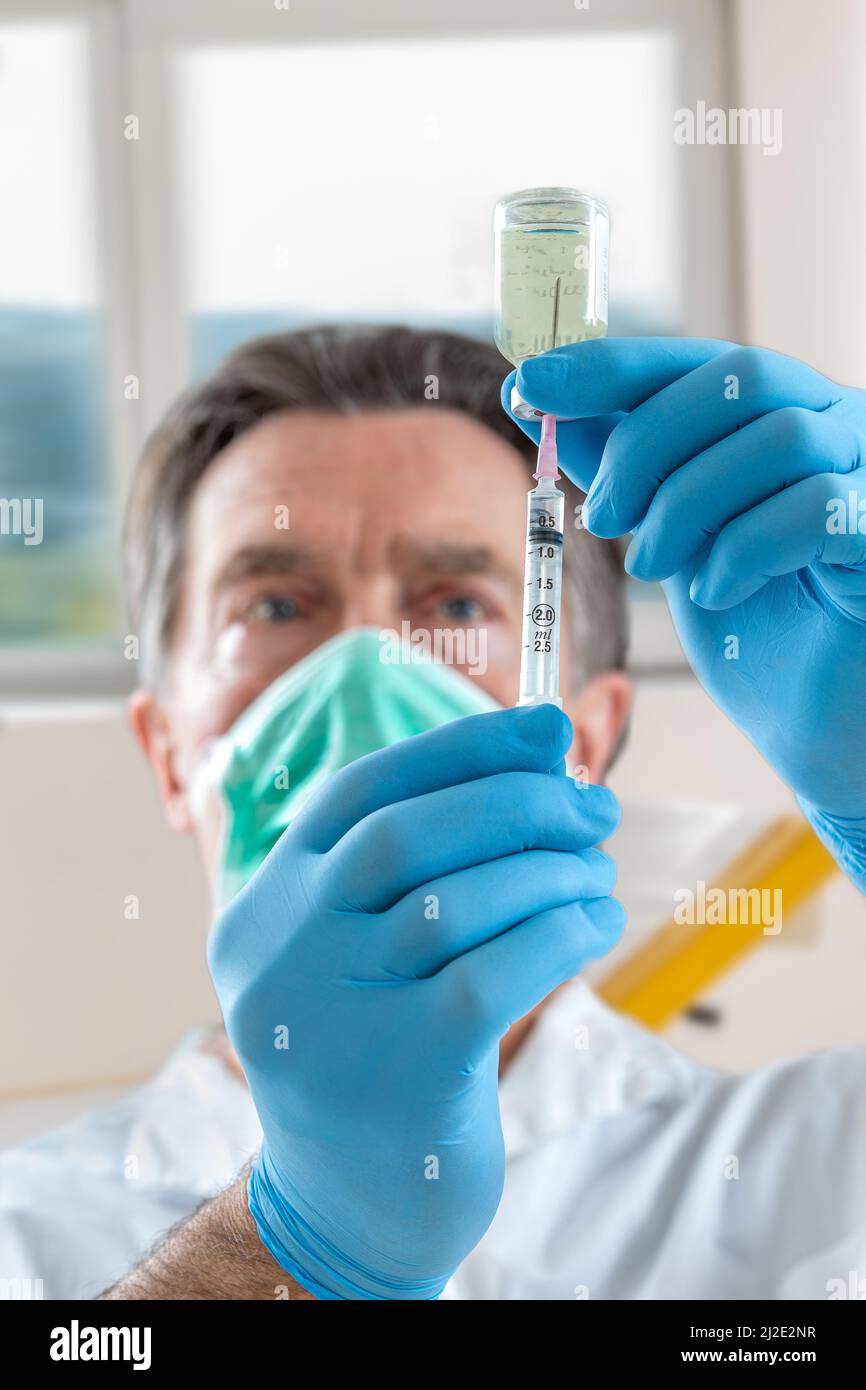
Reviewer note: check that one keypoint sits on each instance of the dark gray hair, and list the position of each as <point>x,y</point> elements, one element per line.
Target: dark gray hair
<point>344,370</point>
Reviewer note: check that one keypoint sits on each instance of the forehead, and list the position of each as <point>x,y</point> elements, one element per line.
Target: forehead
<point>418,469</point>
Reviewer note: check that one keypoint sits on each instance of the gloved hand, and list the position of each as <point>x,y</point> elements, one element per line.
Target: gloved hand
<point>429,896</point>
<point>732,466</point>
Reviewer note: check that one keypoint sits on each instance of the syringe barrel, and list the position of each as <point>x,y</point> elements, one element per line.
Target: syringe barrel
<point>542,610</point>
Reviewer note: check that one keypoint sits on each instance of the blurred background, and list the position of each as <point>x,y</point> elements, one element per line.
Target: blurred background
<point>177,175</point>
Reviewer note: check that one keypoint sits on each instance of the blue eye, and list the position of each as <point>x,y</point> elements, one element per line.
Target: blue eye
<point>274,610</point>
<point>462,609</point>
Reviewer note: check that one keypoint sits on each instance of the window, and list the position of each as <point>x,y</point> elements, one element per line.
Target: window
<point>296,208</point>
<point>56,523</point>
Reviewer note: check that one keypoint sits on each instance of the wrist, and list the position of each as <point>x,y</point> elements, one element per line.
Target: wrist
<point>215,1254</point>
<point>311,1257</point>
<point>844,837</point>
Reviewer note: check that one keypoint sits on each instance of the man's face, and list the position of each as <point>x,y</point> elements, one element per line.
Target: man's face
<point>393,516</point>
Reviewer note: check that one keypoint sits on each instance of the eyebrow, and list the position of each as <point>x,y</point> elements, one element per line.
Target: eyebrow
<point>252,561</point>
<point>446,557</point>
<point>408,557</point>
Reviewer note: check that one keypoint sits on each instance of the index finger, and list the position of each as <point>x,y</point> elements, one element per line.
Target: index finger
<point>531,738</point>
<point>607,375</point>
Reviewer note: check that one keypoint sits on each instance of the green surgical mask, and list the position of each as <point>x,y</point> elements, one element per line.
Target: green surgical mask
<point>349,697</point>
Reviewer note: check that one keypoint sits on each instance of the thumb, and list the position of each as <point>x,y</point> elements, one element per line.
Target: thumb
<point>579,443</point>
<point>607,375</point>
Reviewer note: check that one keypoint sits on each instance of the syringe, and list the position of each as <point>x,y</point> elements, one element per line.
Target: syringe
<point>539,662</point>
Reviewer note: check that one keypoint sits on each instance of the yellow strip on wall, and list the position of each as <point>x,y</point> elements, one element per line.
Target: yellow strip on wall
<point>677,964</point>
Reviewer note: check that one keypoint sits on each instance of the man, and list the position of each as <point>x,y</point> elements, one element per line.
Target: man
<point>428,900</point>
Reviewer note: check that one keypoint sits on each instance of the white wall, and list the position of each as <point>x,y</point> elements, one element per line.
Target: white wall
<point>805,209</point>
<point>90,996</point>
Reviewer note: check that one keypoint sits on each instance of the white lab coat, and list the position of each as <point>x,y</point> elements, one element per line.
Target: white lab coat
<point>632,1172</point>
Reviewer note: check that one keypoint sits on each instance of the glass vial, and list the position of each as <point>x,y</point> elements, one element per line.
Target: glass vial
<point>550,271</point>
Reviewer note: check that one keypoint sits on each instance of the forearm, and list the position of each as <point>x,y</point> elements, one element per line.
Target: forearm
<point>214,1254</point>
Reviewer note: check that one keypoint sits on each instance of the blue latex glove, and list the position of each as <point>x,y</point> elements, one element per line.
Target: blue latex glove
<point>723,462</point>
<point>432,894</point>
